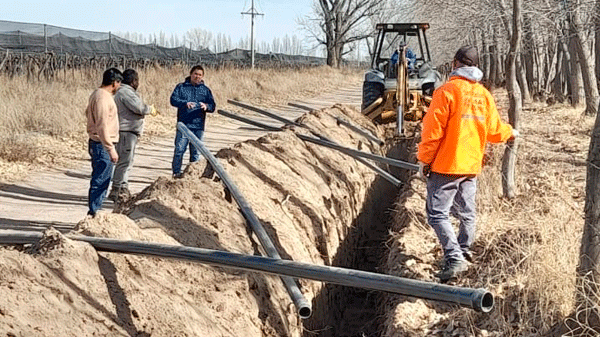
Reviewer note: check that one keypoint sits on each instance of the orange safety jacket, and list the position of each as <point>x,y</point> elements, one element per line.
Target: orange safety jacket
<point>462,117</point>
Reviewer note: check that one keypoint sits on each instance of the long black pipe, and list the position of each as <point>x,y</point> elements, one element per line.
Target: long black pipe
<point>478,299</point>
<point>264,112</point>
<point>347,124</point>
<point>303,306</point>
<point>356,153</point>
<point>386,175</point>
<point>248,120</point>
<point>300,106</point>
<point>359,131</point>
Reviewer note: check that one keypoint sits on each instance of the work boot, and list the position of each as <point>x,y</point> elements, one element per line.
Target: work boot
<point>177,175</point>
<point>124,191</point>
<point>114,194</point>
<point>452,269</point>
<point>123,194</point>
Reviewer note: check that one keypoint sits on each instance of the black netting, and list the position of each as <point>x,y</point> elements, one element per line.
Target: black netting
<point>38,38</point>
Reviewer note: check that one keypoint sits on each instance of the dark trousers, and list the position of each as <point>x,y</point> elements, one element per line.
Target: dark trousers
<point>102,169</point>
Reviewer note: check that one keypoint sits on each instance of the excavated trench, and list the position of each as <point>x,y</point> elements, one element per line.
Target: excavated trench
<point>346,311</point>
<point>319,207</point>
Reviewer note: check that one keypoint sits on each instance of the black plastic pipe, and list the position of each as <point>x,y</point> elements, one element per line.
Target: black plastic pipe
<point>360,131</point>
<point>264,112</point>
<point>248,120</point>
<point>386,175</point>
<point>300,106</point>
<point>356,153</point>
<point>383,173</point>
<point>478,299</point>
<point>303,306</point>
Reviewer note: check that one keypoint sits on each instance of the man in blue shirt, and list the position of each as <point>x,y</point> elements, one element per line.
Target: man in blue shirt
<point>193,99</point>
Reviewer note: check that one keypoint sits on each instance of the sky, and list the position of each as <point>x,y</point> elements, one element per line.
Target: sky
<point>175,16</point>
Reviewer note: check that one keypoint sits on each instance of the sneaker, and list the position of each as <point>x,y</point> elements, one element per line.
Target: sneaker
<point>177,175</point>
<point>452,269</point>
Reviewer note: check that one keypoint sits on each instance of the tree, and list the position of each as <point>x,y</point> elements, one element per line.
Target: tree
<point>576,29</point>
<point>336,23</point>
<point>516,102</point>
<point>588,270</point>
<point>199,38</point>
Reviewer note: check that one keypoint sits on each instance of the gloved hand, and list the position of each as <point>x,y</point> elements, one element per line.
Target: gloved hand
<point>153,111</point>
<point>424,170</point>
<point>515,134</point>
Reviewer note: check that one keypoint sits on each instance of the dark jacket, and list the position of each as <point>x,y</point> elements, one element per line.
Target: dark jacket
<point>187,92</point>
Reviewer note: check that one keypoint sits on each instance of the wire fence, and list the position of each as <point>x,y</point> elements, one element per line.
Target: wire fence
<point>19,41</point>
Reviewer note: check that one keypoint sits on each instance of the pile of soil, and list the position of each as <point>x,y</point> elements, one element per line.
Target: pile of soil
<point>306,196</point>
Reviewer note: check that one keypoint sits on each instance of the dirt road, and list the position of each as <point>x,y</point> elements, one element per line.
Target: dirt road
<point>59,197</point>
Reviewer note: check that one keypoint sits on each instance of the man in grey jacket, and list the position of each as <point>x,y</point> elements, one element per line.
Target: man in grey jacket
<point>132,111</point>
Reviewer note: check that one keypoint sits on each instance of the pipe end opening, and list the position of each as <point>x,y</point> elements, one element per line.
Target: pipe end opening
<point>305,312</point>
<point>487,302</point>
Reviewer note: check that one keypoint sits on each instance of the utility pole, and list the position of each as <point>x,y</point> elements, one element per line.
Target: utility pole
<point>252,12</point>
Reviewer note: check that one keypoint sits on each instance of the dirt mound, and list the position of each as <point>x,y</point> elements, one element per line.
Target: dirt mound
<point>306,196</point>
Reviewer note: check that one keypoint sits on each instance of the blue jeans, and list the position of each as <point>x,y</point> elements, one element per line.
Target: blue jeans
<point>452,195</point>
<point>102,169</point>
<point>181,143</point>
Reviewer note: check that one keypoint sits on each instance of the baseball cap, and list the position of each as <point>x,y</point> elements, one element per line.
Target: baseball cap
<point>468,56</point>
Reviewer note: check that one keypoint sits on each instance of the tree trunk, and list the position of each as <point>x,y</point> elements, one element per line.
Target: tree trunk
<point>332,57</point>
<point>509,159</point>
<point>575,86</point>
<point>485,59</point>
<point>528,52</point>
<point>493,64</point>
<point>522,79</point>
<point>597,41</point>
<point>589,257</point>
<point>587,71</point>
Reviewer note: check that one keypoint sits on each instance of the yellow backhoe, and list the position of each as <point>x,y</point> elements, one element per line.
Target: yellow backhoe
<point>401,79</point>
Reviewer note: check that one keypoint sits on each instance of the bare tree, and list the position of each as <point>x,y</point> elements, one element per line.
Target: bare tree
<point>199,38</point>
<point>516,101</point>
<point>577,29</point>
<point>337,23</point>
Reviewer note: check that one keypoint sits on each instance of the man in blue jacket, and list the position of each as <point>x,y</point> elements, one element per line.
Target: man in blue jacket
<point>193,99</point>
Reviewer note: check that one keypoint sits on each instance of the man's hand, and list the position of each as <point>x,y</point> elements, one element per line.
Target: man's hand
<point>153,111</point>
<point>114,156</point>
<point>191,105</point>
<point>203,106</point>
<point>515,134</point>
<point>424,170</point>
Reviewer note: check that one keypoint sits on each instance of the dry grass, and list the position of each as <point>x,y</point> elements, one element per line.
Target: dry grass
<point>530,245</point>
<point>42,123</point>
<point>526,250</point>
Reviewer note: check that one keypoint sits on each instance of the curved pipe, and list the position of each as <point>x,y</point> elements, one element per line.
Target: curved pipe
<point>478,299</point>
<point>303,306</point>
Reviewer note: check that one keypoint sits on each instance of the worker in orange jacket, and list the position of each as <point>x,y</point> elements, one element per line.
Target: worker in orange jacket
<point>461,119</point>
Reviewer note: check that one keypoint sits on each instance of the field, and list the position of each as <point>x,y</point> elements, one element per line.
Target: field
<point>318,204</point>
<point>43,123</point>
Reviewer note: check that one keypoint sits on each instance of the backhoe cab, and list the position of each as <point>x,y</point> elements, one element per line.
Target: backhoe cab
<point>401,79</point>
